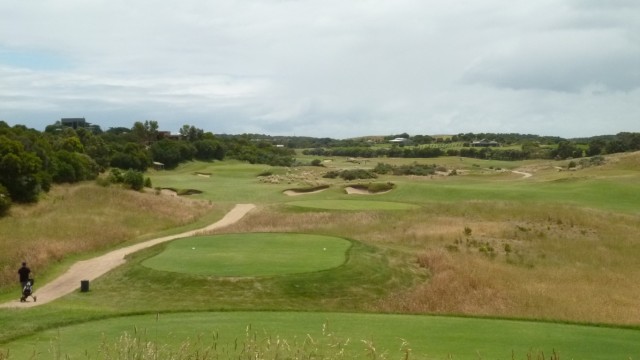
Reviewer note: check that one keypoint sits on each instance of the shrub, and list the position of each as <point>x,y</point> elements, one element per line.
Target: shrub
<point>413,169</point>
<point>116,176</point>
<point>357,174</point>
<point>383,168</point>
<point>133,179</point>
<point>103,181</point>
<point>5,200</point>
<point>467,231</point>
<point>331,174</point>
<point>350,174</point>
<point>380,187</point>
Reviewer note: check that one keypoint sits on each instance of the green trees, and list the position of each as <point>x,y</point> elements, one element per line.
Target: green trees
<point>19,170</point>
<point>208,150</point>
<point>5,200</point>
<point>566,150</point>
<point>171,153</point>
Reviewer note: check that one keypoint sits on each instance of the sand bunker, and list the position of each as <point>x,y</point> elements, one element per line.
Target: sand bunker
<point>357,191</point>
<point>297,193</point>
<point>168,192</point>
<point>174,192</point>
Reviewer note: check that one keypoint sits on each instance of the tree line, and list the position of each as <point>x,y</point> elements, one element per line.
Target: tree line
<point>31,161</point>
<point>530,147</point>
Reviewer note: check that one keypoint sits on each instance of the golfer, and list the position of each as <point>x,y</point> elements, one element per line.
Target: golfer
<point>24,273</point>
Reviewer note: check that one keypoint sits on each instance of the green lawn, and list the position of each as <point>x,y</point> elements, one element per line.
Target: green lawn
<point>265,254</point>
<point>428,337</point>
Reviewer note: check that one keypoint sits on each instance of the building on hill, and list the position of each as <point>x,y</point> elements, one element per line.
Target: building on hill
<point>74,122</point>
<point>485,143</point>
<point>78,123</point>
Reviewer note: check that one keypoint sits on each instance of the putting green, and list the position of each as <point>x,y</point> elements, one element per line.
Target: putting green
<point>428,337</point>
<point>259,254</point>
<point>357,205</point>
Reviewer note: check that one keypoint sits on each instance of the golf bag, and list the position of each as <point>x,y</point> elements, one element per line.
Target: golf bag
<point>27,291</point>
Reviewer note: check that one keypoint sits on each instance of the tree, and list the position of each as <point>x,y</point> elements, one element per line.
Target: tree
<point>208,150</point>
<point>131,156</point>
<point>73,167</point>
<point>191,133</point>
<point>167,152</point>
<point>596,147</point>
<point>19,170</point>
<point>145,133</point>
<point>567,150</point>
<point>5,200</point>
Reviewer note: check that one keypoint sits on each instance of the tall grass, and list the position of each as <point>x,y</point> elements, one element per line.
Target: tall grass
<point>550,262</point>
<point>81,219</point>
<point>253,347</point>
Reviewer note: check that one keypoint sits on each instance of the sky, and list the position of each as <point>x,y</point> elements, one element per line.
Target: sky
<point>325,68</point>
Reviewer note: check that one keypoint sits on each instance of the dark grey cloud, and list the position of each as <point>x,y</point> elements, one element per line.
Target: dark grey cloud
<point>562,61</point>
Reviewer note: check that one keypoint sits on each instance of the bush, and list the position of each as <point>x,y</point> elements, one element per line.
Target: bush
<point>381,187</point>
<point>412,169</point>
<point>133,179</point>
<point>5,200</point>
<point>116,176</point>
<point>103,181</point>
<point>331,174</point>
<point>383,168</point>
<point>357,174</point>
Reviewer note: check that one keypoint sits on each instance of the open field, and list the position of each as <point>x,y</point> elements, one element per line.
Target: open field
<point>559,246</point>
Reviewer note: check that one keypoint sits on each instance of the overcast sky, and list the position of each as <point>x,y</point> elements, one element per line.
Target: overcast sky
<point>325,68</point>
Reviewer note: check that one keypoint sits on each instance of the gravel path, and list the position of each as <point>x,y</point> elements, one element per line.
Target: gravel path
<point>93,268</point>
<point>524,174</point>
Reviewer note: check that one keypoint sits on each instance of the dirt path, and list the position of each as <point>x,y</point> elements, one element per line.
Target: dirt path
<point>93,268</point>
<point>524,174</point>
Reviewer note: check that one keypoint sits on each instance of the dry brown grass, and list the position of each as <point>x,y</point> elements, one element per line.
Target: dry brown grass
<point>564,263</point>
<point>94,218</point>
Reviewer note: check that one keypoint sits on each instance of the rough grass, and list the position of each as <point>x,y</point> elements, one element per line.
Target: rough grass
<point>559,262</point>
<point>82,219</point>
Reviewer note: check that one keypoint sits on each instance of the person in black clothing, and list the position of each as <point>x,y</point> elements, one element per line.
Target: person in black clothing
<point>24,273</point>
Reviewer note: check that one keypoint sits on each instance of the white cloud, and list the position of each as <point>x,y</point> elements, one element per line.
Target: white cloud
<point>327,68</point>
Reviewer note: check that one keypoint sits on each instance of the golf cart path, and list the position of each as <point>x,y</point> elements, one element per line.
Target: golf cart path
<point>93,268</point>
